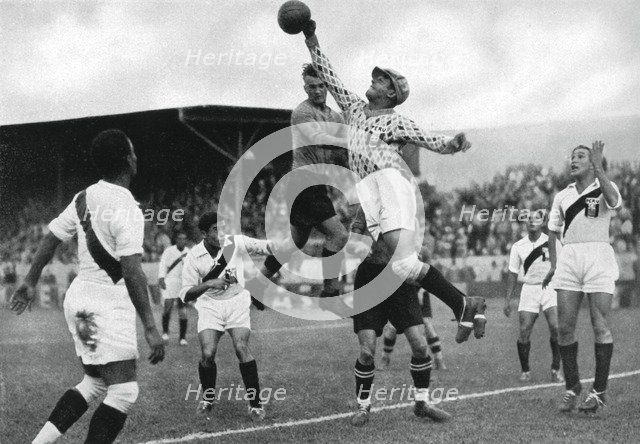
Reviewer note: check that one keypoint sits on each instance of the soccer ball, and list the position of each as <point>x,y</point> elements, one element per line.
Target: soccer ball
<point>293,16</point>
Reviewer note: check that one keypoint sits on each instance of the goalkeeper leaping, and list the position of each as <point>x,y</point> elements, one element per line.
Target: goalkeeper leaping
<point>376,135</point>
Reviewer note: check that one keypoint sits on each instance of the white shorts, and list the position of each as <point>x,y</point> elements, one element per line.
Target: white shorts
<point>173,289</point>
<point>534,298</point>
<point>224,314</point>
<point>102,321</point>
<point>589,267</point>
<point>388,201</point>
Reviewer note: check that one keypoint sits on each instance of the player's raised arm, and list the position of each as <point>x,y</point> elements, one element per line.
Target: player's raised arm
<point>407,131</point>
<point>610,192</point>
<point>256,247</point>
<point>343,97</point>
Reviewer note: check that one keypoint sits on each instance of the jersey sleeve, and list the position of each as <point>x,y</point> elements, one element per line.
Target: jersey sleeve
<point>406,130</point>
<point>619,203</point>
<point>318,133</point>
<point>65,226</point>
<point>343,97</point>
<point>514,260</point>
<point>556,215</point>
<point>128,230</point>
<point>190,275</point>
<point>162,267</point>
<point>254,247</point>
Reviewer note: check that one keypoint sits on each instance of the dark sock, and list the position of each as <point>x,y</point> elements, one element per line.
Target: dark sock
<point>70,407</point>
<point>364,379</point>
<point>555,354</point>
<point>523,354</point>
<point>603,359</point>
<point>436,284</point>
<point>105,424</point>
<point>421,371</point>
<point>272,265</point>
<point>165,322</point>
<point>569,354</point>
<point>332,267</point>
<point>208,380</point>
<point>434,345</point>
<point>389,343</point>
<point>183,328</point>
<point>249,372</point>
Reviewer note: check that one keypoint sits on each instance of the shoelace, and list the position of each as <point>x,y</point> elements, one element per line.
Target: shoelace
<point>363,408</point>
<point>568,396</point>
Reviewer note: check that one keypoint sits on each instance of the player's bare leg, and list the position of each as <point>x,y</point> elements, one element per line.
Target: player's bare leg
<point>248,370</point>
<point>568,309</point>
<point>551,315</point>
<point>600,306</point>
<point>526,320</point>
<point>421,373</point>
<point>207,369</point>
<point>389,337</point>
<point>166,318</point>
<point>182,317</point>
<point>364,371</point>
<point>468,311</point>
<point>433,340</point>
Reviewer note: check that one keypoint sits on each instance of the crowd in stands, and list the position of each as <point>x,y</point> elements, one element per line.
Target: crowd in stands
<point>454,225</point>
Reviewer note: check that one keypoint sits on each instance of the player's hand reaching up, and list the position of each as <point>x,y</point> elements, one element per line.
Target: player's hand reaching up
<point>597,150</point>
<point>22,298</point>
<point>310,29</point>
<point>459,143</point>
<point>156,344</point>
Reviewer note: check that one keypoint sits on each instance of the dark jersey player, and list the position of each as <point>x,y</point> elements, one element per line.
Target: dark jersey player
<point>316,144</point>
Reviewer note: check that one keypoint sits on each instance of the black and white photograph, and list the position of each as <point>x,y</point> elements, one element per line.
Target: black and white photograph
<point>319,221</point>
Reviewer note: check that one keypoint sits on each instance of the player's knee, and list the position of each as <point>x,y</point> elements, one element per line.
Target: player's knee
<point>565,333</point>
<point>90,388</point>
<point>338,239</point>
<point>408,268</point>
<point>182,314</point>
<point>366,357</point>
<point>122,396</point>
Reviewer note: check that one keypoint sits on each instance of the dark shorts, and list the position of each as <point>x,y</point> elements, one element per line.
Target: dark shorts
<point>117,372</point>
<point>402,308</point>
<point>312,207</point>
<point>426,305</point>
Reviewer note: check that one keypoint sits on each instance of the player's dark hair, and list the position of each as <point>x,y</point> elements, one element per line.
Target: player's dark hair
<point>206,220</point>
<point>109,152</point>
<point>309,70</point>
<point>605,164</point>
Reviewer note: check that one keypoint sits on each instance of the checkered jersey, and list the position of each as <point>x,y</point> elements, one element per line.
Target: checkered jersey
<point>375,137</point>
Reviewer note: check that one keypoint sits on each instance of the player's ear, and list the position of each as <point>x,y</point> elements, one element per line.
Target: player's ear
<point>391,94</point>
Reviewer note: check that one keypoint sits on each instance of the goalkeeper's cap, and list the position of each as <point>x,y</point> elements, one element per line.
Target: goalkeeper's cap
<point>400,83</point>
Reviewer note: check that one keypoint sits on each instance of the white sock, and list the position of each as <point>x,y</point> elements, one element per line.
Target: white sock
<point>48,434</point>
<point>422,394</point>
<point>364,402</point>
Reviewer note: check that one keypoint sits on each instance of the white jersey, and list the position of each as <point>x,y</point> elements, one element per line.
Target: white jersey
<point>109,225</point>
<point>530,259</point>
<point>583,217</point>
<point>171,263</point>
<point>228,261</point>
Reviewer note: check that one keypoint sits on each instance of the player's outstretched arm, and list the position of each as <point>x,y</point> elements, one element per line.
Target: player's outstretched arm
<point>408,131</point>
<point>343,97</point>
<point>136,282</point>
<point>26,293</point>
<point>610,192</point>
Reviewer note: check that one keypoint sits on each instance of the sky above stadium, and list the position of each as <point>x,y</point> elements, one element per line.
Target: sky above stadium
<point>469,64</point>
